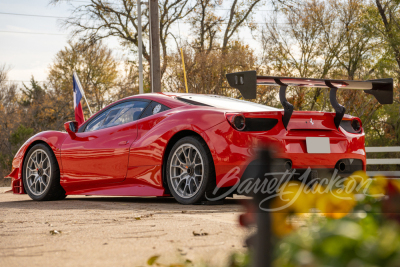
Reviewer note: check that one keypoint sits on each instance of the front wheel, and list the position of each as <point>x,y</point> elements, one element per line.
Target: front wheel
<point>190,170</point>
<point>41,174</point>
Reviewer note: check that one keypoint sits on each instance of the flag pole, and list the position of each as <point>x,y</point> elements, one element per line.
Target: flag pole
<point>83,93</point>
<point>184,71</point>
<point>139,14</point>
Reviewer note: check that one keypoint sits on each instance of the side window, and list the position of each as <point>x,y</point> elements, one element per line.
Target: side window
<point>96,123</point>
<point>154,108</point>
<point>117,115</point>
<point>124,113</point>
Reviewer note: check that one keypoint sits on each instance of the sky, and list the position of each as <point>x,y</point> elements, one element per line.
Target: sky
<point>28,53</point>
<point>25,53</point>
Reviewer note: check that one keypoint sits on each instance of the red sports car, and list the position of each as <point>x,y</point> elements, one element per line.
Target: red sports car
<point>184,144</point>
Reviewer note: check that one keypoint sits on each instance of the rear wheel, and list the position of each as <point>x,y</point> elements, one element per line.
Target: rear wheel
<point>190,170</point>
<point>41,174</point>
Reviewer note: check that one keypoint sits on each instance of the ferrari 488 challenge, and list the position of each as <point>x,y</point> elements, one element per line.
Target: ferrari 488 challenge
<point>183,145</point>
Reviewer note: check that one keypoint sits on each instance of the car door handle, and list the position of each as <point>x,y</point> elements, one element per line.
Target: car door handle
<point>123,143</point>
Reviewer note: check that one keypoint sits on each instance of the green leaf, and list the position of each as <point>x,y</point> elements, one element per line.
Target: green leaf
<point>152,259</point>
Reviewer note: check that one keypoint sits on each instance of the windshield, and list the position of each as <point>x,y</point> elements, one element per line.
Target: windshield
<point>224,102</point>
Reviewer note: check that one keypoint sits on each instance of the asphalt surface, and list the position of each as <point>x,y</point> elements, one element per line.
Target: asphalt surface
<point>116,231</point>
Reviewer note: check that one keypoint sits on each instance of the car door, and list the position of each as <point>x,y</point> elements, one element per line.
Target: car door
<point>99,154</point>
<point>148,119</point>
<point>144,166</point>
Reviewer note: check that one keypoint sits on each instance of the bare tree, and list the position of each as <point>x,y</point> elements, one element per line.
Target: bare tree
<point>206,24</point>
<point>239,13</point>
<point>101,19</point>
<point>294,49</point>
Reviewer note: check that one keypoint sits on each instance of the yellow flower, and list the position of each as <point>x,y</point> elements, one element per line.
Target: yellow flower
<point>378,186</point>
<point>281,224</point>
<point>314,193</point>
<point>290,201</point>
<point>355,182</point>
<point>336,204</point>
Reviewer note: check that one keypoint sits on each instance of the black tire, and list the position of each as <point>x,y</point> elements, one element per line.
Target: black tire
<point>53,190</point>
<point>208,178</point>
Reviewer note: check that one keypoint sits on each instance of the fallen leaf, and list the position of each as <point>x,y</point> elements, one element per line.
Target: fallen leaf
<point>152,259</point>
<point>137,218</point>
<point>55,232</point>
<point>199,234</point>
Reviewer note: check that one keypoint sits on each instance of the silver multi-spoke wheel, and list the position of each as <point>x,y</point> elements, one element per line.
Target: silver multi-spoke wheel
<point>38,172</point>
<point>186,171</point>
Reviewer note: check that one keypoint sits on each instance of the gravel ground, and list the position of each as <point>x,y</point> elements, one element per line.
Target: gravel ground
<point>5,182</point>
<point>111,231</point>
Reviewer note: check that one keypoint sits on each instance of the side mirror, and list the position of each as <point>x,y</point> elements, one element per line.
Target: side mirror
<point>71,127</point>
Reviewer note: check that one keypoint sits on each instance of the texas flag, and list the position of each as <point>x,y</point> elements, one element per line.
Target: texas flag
<point>78,93</point>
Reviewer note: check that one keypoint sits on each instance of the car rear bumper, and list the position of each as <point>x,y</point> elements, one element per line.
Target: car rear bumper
<point>233,150</point>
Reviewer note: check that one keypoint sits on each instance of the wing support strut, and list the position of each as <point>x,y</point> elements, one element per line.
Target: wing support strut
<point>339,109</point>
<point>287,107</point>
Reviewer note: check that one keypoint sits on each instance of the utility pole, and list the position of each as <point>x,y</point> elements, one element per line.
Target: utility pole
<point>155,47</point>
<point>140,44</point>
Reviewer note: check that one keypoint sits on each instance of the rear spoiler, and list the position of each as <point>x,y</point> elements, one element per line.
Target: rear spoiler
<point>246,82</point>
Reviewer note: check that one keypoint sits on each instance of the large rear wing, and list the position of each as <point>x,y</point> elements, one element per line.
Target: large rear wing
<point>246,82</point>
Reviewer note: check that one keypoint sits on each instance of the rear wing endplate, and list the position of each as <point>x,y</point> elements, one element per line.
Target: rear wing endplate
<point>246,82</point>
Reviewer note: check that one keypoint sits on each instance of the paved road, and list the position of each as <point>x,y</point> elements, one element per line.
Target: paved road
<point>109,231</point>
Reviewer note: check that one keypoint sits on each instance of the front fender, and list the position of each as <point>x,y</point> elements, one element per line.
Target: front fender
<point>53,139</point>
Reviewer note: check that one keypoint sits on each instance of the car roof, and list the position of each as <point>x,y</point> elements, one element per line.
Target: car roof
<point>171,100</point>
<point>164,98</point>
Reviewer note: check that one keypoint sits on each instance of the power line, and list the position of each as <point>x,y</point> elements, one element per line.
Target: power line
<point>43,33</point>
<point>57,17</point>
<point>88,2</point>
<point>31,15</point>
<point>48,33</point>
<point>46,16</point>
<point>258,10</point>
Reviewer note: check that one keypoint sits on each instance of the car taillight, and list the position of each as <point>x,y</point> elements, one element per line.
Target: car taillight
<point>237,121</point>
<point>356,124</point>
<point>352,125</point>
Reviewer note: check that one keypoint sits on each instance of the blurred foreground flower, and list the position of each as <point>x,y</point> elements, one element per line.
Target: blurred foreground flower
<point>390,205</point>
<point>336,204</point>
<point>290,203</point>
<point>378,186</point>
<point>356,182</point>
<point>343,242</point>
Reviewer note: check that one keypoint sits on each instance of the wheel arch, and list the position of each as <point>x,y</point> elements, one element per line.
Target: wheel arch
<point>36,142</point>
<point>171,142</point>
<point>32,145</point>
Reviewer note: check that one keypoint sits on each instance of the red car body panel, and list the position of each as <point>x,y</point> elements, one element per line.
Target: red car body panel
<point>53,139</point>
<point>232,148</point>
<point>128,160</point>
